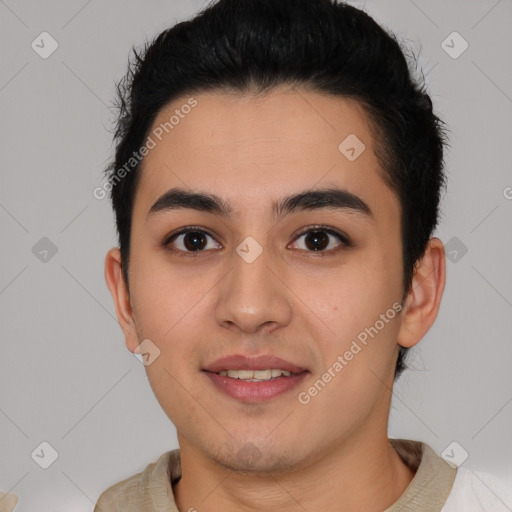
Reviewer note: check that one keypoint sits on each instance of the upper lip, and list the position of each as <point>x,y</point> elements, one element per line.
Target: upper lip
<point>262,362</point>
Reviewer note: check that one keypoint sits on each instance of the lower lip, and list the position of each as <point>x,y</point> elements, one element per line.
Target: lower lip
<point>255,391</point>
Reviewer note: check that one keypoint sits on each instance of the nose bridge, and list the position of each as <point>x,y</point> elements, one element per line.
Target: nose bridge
<point>252,296</point>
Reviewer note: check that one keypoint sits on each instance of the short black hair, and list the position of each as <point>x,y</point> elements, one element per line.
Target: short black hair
<point>327,46</point>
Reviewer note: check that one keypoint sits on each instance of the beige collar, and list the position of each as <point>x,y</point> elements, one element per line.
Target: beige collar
<point>151,490</point>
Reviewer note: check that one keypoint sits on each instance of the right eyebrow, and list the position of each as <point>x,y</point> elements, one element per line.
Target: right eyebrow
<point>179,198</point>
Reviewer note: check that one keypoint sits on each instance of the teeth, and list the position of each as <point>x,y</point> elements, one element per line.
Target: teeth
<point>240,374</point>
<point>255,375</point>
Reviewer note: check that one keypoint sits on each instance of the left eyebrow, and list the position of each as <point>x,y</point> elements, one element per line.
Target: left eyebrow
<point>330,198</point>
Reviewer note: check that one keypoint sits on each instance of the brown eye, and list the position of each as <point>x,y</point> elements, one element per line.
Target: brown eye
<point>321,240</point>
<point>316,240</point>
<point>192,241</point>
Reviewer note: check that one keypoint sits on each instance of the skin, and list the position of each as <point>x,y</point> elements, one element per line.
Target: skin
<point>290,301</point>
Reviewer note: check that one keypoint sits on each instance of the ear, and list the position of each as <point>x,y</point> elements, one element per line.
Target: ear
<point>424,298</point>
<point>121,296</point>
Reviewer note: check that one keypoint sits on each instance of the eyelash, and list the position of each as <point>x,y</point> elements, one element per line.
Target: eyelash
<point>345,241</point>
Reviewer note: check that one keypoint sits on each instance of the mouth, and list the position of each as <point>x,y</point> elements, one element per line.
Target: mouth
<point>256,375</point>
<point>254,379</point>
<point>264,362</point>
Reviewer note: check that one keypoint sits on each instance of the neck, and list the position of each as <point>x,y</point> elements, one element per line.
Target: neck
<point>362,474</point>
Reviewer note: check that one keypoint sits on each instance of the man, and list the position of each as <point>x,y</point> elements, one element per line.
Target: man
<point>276,186</point>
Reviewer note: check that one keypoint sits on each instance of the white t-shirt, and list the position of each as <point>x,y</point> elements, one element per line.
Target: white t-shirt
<point>479,492</point>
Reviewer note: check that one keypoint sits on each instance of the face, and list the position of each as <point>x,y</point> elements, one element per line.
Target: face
<point>315,281</point>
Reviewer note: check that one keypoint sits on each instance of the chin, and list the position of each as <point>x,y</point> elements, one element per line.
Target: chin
<point>251,459</point>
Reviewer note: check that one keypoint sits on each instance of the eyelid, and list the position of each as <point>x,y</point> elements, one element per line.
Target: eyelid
<point>167,243</point>
<point>187,229</point>
<point>328,229</point>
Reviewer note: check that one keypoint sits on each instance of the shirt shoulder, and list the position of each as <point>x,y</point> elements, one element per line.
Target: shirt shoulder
<point>148,491</point>
<point>8,501</point>
<point>476,491</point>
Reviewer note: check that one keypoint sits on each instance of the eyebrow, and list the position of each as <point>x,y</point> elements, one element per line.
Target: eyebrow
<point>329,198</point>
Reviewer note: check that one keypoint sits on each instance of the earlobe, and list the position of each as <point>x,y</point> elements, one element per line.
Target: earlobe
<point>121,297</point>
<point>424,298</point>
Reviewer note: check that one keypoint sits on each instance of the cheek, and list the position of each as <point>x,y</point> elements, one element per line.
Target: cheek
<point>354,310</point>
<point>173,308</point>
<point>358,364</point>
<point>170,390</point>
<point>166,300</point>
<point>344,298</point>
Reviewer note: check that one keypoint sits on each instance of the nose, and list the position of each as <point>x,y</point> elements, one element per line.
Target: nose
<point>252,298</point>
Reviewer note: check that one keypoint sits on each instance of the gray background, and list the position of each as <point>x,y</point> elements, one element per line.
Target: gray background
<point>65,375</point>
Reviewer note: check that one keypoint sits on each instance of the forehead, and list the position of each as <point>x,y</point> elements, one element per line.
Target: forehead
<point>253,149</point>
